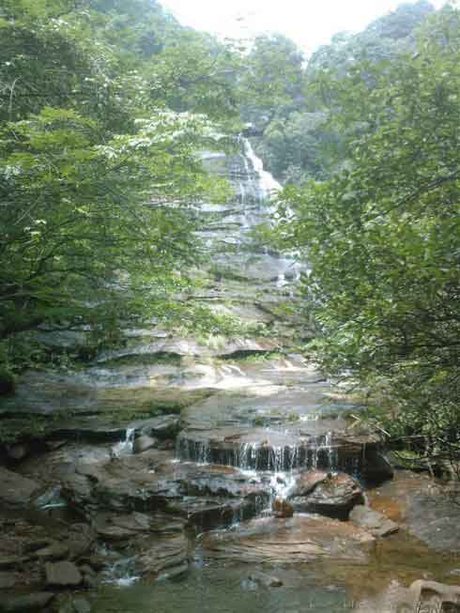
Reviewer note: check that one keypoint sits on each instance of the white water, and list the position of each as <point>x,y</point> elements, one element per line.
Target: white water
<point>269,186</point>
<point>124,447</point>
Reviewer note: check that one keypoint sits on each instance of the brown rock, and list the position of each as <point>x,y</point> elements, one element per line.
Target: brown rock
<point>373,521</point>
<point>334,496</point>
<point>282,508</point>
<point>62,574</point>
<point>301,538</point>
<point>308,480</point>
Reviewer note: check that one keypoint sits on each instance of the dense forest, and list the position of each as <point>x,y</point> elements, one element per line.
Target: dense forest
<point>105,106</point>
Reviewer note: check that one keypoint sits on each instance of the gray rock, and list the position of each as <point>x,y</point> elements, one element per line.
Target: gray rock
<point>265,580</point>
<point>17,452</point>
<point>162,427</point>
<point>7,580</point>
<point>26,602</point>
<point>81,605</point>
<point>377,467</point>
<point>12,561</point>
<point>80,540</point>
<point>38,543</point>
<point>143,443</point>
<point>119,527</point>
<point>55,551</point>
<point>62,574</point>
<point>434,596</point>
<point>16,490</point>
<point>86,569</point>
<point>372,521</point>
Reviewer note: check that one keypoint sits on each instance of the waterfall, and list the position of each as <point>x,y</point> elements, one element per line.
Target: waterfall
<point>269,186</point>
<point>320,453</point>
<point>124,447</point>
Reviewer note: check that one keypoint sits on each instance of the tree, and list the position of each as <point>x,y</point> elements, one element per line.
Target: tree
<point>96,172</point>
<point>382,236</point>
<point>294,103</point>
<point>272,81</point>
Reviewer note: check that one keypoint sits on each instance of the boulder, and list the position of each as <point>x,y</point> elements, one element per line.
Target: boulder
<point>17,451</point>
<point>162,427</point>
<point>16,490</point>
<point>373,521</point>
<point>308,480</point>
<point>80,540</point>
<point>143,443</point>
<point>81,605</point>
<point>264,579</point>
<point>12,561</point>
<point>62,574</point>
<point>55,551</point>
<point>37,543</point>
<point>282,508</point>
<point>434,593</point>
<point>26,602</point>
<point>7,580</point>
<point>333,496</point>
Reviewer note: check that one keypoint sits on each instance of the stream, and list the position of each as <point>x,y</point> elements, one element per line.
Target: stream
<point>220,474</point>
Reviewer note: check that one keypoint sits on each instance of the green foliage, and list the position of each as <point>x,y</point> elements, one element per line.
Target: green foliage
<point>382,235</point>
<point>195,73</point>
<point>98,166</point>
<point>271,81</point>
<point>294,103</point>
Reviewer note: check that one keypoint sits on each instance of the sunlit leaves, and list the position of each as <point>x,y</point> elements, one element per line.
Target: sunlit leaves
<point>383,234</point>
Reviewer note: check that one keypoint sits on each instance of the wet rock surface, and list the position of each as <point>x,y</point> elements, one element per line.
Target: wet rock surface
<point>428,509</point>
<point>290,541</point>
<point>373,521</point>
<point>335,496</point>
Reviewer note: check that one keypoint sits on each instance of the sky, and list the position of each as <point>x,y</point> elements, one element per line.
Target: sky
<point>309,23</point>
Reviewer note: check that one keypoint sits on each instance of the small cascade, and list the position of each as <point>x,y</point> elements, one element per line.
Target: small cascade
<point>281,280</point>
<point>260,455</point>
<point>124,447</point>
<point>122,573</point>
<point>188,450</point>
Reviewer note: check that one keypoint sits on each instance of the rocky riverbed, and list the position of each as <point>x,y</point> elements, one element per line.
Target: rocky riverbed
<point>217,474</point>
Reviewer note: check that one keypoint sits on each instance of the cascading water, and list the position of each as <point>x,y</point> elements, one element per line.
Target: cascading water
<point>273,454</point>
<point>267,183</point>
<point>320,453</point>
<point>124,447</point>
